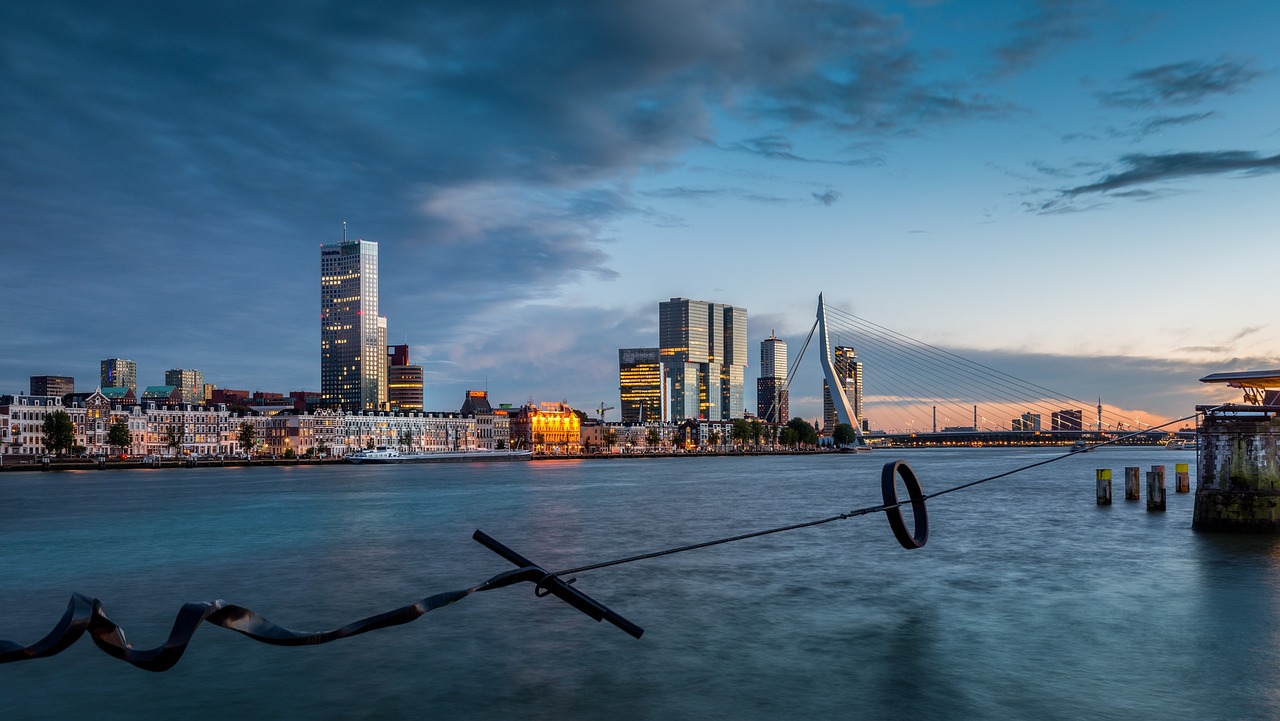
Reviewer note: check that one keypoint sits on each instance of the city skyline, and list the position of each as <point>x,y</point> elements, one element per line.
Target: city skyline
<point>1026,185</point>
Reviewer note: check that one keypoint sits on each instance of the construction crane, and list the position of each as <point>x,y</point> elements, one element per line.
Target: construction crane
<point>601,411</point>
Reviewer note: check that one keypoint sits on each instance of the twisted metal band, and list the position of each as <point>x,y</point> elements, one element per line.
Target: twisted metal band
<point>85,614</point>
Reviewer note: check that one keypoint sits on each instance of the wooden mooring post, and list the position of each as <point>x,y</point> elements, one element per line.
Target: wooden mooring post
<point>1132,484</point>
<point>1103,476</point>
<point>1155,489</point>
<point>1182,478</point>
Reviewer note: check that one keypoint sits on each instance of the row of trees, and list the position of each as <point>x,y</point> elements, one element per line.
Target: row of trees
<point>797,432</point>
<point>59,434</point>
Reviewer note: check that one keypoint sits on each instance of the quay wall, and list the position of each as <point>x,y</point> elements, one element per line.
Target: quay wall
<point>1238,482</point>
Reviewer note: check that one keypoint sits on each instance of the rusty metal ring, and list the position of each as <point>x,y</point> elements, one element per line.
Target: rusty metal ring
<point>919,514</point>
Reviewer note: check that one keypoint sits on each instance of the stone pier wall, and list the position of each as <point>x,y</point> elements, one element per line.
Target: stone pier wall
<point>1238,480</point>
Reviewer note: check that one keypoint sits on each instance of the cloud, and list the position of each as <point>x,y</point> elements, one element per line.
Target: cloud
<point>683,192</point>
<point>828,197</point>
<point>1185,83</point>
<point>1140,170</point>
<point>778,147</point>
<point>1144,169</point>
<point>1151,126</point>
<point>1054,23</point>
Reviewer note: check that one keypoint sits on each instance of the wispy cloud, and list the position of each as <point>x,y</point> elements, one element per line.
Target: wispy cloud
<point>1053,23</point>
<point>1185,83</point>
<point>778,147</point>
<point>1152,126</point>
<point>684,192</point>
<point>1141,170</point>
<point>828,197</point>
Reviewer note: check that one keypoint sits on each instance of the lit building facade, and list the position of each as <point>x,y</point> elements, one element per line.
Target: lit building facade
<point>547,428</point>
<point>703,349</point>
<point>1067,420</point>
<point>52,385</point>
<point>849,371</point>
<point>404,381</point>
<point>640,384</point>
<point>352,355</point>
<point>190,384</point>
<point>118,373</point>
<point>1026,422</point>
<point>772,396</point>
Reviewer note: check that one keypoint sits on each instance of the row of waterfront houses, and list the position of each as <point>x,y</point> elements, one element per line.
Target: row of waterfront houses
<point>169,429</point>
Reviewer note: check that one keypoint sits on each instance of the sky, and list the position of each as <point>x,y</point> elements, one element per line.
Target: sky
<point>1082,194</point>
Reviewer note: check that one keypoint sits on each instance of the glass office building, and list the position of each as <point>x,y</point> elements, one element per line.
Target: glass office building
<point>352,350</point>
<point>703,349</point>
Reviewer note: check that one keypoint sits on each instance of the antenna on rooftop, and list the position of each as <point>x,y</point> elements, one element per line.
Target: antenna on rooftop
<point>344,231</point>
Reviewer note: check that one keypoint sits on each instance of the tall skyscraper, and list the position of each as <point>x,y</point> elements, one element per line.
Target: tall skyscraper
<point>404,381</point>
<point>640,384</point>
<point>703,349</point>
<point>52,385</point>
<point>190,384</point>
<point>352,357</point>
<point>772,398</point>
<point>849,370</point>
<point>119,373</point>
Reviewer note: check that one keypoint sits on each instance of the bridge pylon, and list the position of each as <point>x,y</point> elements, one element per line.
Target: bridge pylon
<point>844,411</point>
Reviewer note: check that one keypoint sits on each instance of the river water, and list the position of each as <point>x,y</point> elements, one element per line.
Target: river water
<point>1029,600</point>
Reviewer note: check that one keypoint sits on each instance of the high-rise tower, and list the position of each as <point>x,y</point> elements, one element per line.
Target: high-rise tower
<point>119,373</point>
<point>404,381</point>
<point>640,385</point>
<point>772,402</point>
<point>703,348</point>
<point>353,357</point>
<point>849,372</point>
<point>190,383</point>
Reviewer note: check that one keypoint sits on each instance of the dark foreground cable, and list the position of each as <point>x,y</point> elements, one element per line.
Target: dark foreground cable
<point>86,615</point>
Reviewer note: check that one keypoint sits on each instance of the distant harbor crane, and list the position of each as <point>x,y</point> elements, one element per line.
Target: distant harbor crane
<point>602,409</point>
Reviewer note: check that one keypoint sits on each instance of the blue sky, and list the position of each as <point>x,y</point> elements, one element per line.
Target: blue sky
<point>1083,194</point>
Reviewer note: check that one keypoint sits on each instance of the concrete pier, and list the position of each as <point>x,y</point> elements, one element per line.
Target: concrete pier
<point>1238,469</point>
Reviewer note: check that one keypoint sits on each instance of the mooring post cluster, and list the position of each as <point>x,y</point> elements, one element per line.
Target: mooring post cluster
<point>1132,486</point>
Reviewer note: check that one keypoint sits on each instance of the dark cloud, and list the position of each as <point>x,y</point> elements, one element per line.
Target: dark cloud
<point>1185,83</point>
<point>1151,126</point>
<point>828,197</point>
<point>1146,169</point>
<point>1053,23</point>
<point>487,146</point>
<point>1141,170</point>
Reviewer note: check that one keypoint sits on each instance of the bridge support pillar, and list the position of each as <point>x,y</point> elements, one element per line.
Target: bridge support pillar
<point>1238,482</point>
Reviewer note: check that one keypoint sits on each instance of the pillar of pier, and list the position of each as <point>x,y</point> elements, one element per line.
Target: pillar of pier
<point>1155,489</point>
<point>1182,474</point>
<point>1103,476</point>
<point>1238,471</point>
<point>1132,483</point>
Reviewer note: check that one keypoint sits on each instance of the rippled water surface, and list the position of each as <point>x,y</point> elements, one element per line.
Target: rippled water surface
<point>1028,602</point>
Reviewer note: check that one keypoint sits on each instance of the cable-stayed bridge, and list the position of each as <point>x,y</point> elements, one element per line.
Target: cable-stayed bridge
<point>908,389</point>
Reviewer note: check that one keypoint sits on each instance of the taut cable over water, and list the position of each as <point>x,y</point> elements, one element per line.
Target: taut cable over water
<point>86,614</point>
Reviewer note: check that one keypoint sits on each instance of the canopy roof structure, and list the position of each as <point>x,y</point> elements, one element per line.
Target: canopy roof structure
<point>1253,383</point>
